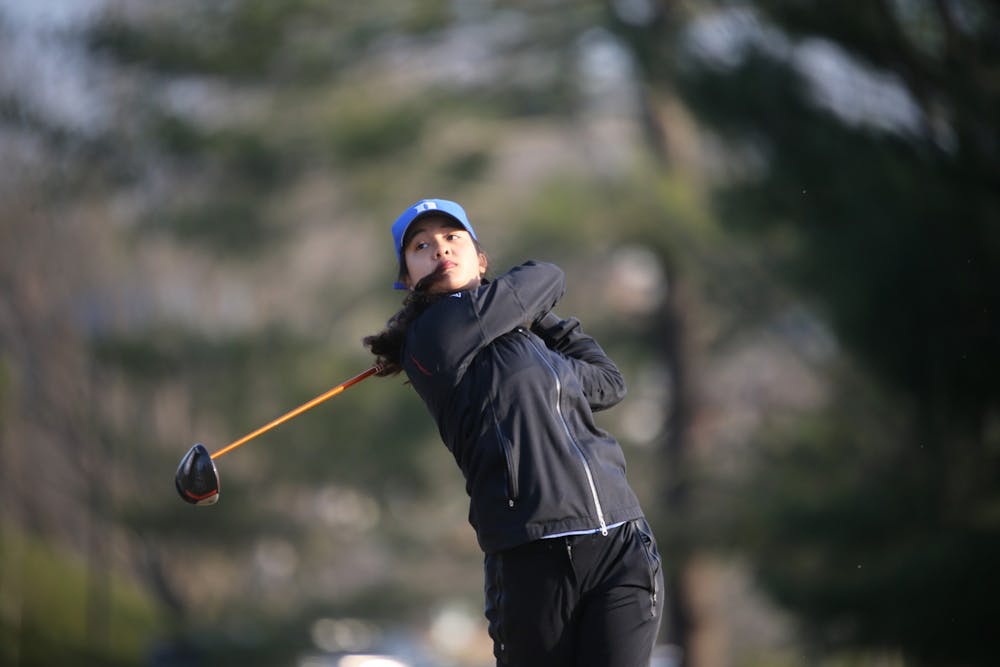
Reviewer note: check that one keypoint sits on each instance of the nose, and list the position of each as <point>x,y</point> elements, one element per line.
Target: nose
<point>440,249</point>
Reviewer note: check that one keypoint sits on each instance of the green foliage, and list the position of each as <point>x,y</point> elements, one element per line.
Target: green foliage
<point>243,39</point>
<point>319,141</point>
<point>466,167</point>
<point>360,133</point>
<point>6,389</point>
<point>896,239</point>
<point>219,367</point>
<point>45,598</point>
<point>230,219</point>
<point>223,225</point>
<point>242,155</point>
<point>879,532</point>
<point>852,522</point>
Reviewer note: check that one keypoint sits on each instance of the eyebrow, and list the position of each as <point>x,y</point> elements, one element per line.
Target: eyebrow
<point>418,228</point>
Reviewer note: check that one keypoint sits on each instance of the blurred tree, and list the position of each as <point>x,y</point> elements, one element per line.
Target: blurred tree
<point>124,327</point>
<point>863,149</point>
<point>228,194</point>
<point>233,117</point>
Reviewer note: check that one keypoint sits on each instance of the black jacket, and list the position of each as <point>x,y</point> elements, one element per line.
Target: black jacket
<point>513,388</point>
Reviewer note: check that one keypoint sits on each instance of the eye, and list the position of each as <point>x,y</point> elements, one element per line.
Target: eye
<point>420,245</point>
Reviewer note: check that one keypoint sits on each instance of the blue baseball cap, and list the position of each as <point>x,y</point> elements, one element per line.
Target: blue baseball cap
<point>423,208</point>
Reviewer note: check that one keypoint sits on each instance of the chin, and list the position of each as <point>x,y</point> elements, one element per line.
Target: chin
<point>448,284</point>
<point>450,287</point>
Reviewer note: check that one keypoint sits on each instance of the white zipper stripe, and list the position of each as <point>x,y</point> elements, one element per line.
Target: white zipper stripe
<point>569,434</point>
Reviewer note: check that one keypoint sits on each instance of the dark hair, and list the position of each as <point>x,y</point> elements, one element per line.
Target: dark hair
<point>387,345</point>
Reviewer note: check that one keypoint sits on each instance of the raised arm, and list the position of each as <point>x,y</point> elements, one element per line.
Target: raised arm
<point>446,338</point>
<point>603,384</point>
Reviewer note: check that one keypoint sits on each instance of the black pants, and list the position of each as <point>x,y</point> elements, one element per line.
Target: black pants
<point>576,601</point>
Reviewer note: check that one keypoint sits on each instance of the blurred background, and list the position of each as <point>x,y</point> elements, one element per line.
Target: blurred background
<point>780,217</point>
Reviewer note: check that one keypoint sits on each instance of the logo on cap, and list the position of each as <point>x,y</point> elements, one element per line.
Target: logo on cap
<point>426,206</point>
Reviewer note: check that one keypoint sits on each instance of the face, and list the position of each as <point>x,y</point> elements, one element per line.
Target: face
<point>437,242</point>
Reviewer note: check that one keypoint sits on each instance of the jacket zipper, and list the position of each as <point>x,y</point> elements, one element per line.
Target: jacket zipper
<point>569,434</point>
<point>644,544</point>
<point>511,477</point>
<point>512,490</point>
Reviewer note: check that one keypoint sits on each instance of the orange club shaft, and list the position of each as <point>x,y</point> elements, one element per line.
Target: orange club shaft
<point>325,396</point>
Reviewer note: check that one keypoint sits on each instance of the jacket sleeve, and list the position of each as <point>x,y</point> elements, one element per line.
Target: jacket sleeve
<point>443,340</point>
<point>603,384</point>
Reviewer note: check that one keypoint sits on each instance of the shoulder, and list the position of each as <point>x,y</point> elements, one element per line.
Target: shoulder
<point>529,272</point>
<point>535,266</point>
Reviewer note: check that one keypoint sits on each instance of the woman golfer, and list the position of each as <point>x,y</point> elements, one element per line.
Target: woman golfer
<point>572,570</point>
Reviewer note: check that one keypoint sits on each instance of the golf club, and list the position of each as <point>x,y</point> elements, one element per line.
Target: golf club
<point>197,479</point>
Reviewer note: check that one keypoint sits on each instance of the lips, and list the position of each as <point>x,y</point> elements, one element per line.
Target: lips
<point>446,265</point>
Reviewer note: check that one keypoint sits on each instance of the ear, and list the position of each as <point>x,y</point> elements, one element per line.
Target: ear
<point>404,274</point>
<point>483,264</point>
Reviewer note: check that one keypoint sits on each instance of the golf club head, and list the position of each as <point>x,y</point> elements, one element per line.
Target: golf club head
<point>197,479</point>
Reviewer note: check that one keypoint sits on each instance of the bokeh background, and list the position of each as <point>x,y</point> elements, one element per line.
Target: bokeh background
<point>781,217</point>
